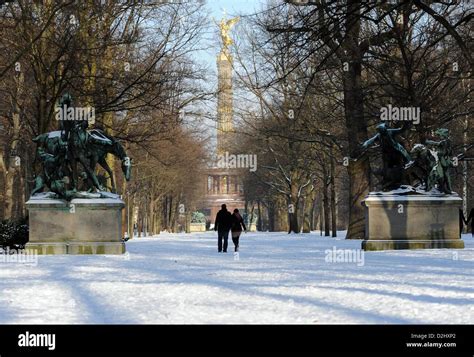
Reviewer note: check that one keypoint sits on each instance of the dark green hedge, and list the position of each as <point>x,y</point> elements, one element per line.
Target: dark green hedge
<point>13,234</point>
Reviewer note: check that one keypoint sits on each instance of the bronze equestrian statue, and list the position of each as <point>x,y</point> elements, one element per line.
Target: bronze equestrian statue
<point>71,155</point>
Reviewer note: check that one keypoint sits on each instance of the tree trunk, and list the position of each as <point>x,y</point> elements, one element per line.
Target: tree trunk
<point>130,214</point>
<point>151,215</point>
<point>321,214</point>
<point>187,227</point>
<point>172,217</point>
<point>326,211</point>
<point>271,216</point>
<point>158,222</point>
<point>293,216</point>
<point>140,223</point>
<point>13,160</point>
<point>9,185</point>
<point>259,212</point>
<point>307,211</point>
<point>356,126</point>
<point>333,195</point>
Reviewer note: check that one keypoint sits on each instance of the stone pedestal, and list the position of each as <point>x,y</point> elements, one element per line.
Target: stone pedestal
<point>412,222</point>
<point>82,226</point>
<point>197,227</point>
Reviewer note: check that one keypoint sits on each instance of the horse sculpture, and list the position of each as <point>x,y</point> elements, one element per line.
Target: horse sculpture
<point>60,161</point>
<point>99,152</point>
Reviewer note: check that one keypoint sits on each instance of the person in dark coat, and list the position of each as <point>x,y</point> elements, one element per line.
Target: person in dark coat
<point>223,225</point>
<point>237,225</point>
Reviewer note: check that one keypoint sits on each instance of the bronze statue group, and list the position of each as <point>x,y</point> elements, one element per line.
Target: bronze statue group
<point>426,166</point>
<point>69,158</point>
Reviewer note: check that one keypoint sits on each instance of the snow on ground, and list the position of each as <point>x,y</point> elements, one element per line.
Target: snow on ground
<point>280,278</point>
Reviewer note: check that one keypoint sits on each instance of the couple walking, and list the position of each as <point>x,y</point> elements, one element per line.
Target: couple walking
<point>225,222</point>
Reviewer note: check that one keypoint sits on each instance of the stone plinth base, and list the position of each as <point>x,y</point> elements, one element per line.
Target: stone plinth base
<point>197,227</point>
<point>414,244</point>
<point>82,226</point>
<point>76,248</point>
<point>412,222</point>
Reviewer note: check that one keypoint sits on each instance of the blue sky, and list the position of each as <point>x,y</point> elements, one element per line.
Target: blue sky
<point>233,6</point>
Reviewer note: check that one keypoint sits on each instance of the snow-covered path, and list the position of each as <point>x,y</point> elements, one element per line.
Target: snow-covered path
<point>279,278</point>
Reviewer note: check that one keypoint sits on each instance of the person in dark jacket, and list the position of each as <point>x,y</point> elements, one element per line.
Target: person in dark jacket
<point>237,225</point>
<point>223,225</point>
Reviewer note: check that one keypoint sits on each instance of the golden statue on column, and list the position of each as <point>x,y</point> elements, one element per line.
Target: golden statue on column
<point>226,26</point>
<point>224,184</point>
